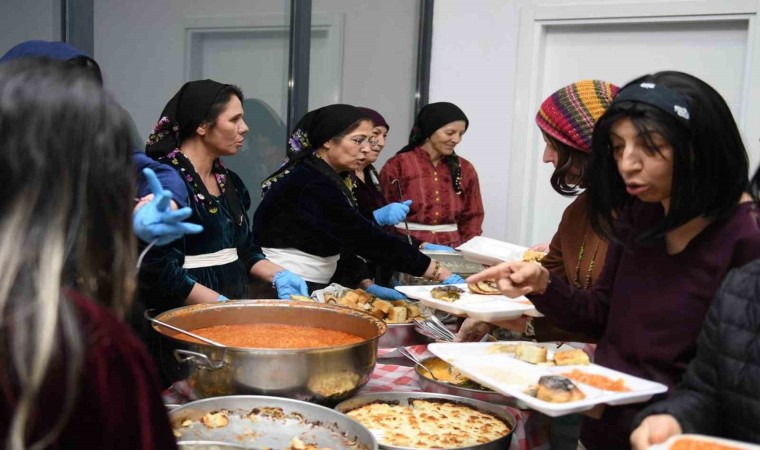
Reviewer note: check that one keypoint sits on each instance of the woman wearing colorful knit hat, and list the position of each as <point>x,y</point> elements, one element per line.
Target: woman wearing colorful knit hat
<point>576,253</point>
<point>566,119</point>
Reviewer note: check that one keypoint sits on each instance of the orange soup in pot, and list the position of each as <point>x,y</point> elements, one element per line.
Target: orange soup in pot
<point>273,335</point>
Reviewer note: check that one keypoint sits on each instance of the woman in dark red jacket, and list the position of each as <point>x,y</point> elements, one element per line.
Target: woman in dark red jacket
<point>71,374</point>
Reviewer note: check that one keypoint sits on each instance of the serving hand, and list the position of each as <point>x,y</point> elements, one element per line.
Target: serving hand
<point>453,279</point>
<point>436,247</point>
<point>392,214</point>
<point>515,278</point>
<point>655,429</point>
<point>155,220</point>
<point>287,283</point>
<point>384,292</point>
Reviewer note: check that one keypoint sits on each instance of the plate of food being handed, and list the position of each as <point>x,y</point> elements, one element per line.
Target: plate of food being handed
<point>546,378</point>
<point>482,301</point>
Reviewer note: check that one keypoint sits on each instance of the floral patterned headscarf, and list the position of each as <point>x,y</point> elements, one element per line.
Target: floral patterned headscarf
<point>311,132</point>
<point>430,118</point>
<point>179,119</point>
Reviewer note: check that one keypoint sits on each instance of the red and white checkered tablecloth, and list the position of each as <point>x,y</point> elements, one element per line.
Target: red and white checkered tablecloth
<point>531,432</point>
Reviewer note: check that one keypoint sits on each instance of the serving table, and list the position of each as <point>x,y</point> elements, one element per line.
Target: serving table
<point>396,374</point>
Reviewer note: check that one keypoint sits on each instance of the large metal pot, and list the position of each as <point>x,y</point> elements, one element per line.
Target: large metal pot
<point>406,398</point>
<point>455,262</point>
<point>320,375</point>
<point>269,422</point>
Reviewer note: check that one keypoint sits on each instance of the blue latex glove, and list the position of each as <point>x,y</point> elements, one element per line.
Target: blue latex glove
<point>454,279</point>
<point>391,214</point>
<point>221,298</point>
<point>436,247</point>
<point>157,221</point>
<point>384,292</point>
<point>287,283</point>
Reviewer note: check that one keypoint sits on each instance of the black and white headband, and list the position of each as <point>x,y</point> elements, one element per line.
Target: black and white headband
<point>658,96</point>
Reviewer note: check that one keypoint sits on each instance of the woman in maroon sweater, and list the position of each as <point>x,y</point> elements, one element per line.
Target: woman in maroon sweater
<point>72,376</point>
<point>668,157</point>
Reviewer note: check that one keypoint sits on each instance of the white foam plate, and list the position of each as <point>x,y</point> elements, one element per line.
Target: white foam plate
<point>505,374</point>
<point>490,251</point>
<point>482,307</point>
<point>702,438</point>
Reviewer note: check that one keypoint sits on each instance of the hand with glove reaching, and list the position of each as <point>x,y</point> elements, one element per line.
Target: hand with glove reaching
<point>287,283</point>
<point>155,219</point>
<point>392,214</point>
<point>436,247</point>
<point>384,292</point>
<point>454,279</point>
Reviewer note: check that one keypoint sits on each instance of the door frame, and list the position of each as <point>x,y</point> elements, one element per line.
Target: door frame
<point>535,23</point>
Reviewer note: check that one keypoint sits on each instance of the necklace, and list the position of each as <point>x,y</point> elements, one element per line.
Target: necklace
<point>577,276</point>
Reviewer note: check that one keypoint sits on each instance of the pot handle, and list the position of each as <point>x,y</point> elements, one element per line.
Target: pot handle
<point>196,359</point>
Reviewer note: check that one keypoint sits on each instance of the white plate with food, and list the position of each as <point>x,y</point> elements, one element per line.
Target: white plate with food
<point>462,300</point>
<point>702,442</point>
<point>553,381</point>
<point>491,251</point>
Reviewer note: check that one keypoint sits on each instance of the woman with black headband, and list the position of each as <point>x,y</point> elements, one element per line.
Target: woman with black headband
<point>309,215</point>
<point>199,125</point>
<point>667,186</point>
<point>446,209</point>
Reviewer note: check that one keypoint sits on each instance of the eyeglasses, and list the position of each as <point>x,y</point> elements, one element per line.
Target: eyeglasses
<point>361,141</point>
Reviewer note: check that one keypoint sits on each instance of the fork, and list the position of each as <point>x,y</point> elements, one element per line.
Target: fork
<point>445,331</point>
<point>428,329</point>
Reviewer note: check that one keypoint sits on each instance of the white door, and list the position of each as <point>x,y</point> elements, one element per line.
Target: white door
<point>714,48</point>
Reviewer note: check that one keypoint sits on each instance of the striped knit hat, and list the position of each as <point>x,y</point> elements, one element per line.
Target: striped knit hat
<point>569,114</point>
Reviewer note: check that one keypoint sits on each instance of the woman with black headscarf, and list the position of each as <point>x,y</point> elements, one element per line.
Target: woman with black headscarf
<point>446,206</point>
<point>200,124</point>
<point>308,214</point>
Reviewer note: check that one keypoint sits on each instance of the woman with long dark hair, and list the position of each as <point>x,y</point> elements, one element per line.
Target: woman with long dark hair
<point>200,124</point>
<point>667,187</point>
<point>72,375</point>
<point>308,214</point>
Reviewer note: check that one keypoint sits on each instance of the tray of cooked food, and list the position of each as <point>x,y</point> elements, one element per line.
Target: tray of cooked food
<point>268,422</point>
<point>491,251</point>
<point>553,381</point>
<point>411,420</point>
<point>482,301</point>
<point>702,442</point>
<point>399,315</point>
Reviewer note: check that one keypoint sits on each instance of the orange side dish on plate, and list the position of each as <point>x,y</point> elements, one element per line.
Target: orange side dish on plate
<point>698,444</point>
<point>273,335</point>
<point>597,381</point>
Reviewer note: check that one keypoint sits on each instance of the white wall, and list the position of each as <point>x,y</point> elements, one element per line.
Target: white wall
<point>475,65</point>
<point>473,59</point>
<point>24,20</point>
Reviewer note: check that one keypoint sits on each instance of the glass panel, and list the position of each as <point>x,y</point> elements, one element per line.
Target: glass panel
<point>364,53</point>
<point>173,41</point>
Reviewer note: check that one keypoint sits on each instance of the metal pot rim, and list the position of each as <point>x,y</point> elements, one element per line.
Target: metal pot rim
<point>167,316</point>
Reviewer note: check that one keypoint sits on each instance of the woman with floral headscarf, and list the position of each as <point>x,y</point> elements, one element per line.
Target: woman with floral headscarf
<point>199,125</point>
<point>309,215</point>
<point>446,206</point>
